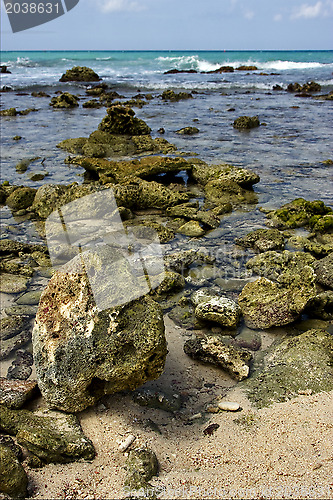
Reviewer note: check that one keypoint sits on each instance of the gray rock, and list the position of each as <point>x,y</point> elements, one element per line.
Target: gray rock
<point>21,310</point>
<point>52,436</point>
<point>14,393</point>
<point>12,326</point>
<point>29,298</point>
<point>81,353</point>
<point>324,271</point>
<point>10,345</point>
<point>13,283</point>
<point>262,240</point>
<point>13,478</point>
<point>141,465</point>
<point>292,366</point>
<point>212,350</point>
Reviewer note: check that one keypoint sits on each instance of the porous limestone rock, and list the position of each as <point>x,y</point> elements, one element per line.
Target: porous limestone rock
<point>141,466</point>
<point>64,100</point>
<point>212,350</point>
<point>262,240</point>
<point>192,229</point>
<point>81,353</point>
<point>299,213</point>
<point>14,393</point>
<point>324,271</point>
<point>21,198</point>
<point>218,309</point>
<point>246,122</point>
<point>80,74</point>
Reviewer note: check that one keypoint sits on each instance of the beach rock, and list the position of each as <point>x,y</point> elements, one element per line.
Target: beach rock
<point>172,281</point>
<point>14,393</point>
<point>262,240</point>
<point>81,354</point>
<point>52,436</point>
<point>21,311</point>
<point>323,224</point>
<point>204,173</point>
<point>212,350</point>
<point>247,68</point>
<point>13,478</point>
<point>10,345</point>
<point>221,69</point>
<point>29,298</point>
<point>282,267</point>
<point>246,122</point>
<point>10,443</point>
<point>321,306</point>
<point>99,89</point>
<point>247,339</point>
<point>37,176</point>
<point>188,131</point>
<point>228,406</point>
<point>121,120</point>
<point>192,229</point>
<point>64,100</point>
<point>298,213</point>
<point>13,283</point>
<point>294,365</point>
<point>8,112</point>
<point>306,87</point>
<point>21,198</point>
<point>265,304</point>
<point>141,466</point>
<point>80,74</point>
<point>92,103</point>
<point>176,71</point>
<point>40,94</point>
<point>222,191</point>
<point>4,69</point>
<point>12,326</point>
<point>220,310</point>
<point>179,261</point>
<point>323,269</point>
<point>171,95</point>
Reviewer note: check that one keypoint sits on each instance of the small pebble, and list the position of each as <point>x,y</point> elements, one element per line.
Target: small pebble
<point>196,416</point>
<point>228,406</point>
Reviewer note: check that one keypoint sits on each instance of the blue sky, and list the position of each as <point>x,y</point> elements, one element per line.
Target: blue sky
<point>182,25</point>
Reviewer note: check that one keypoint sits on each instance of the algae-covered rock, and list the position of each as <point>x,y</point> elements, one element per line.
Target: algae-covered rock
<point>204,173</point>
<point>179,261</point>
<point>13,283</point>
<point>192,229</point>
<point>265,303</point>
<point>12,326</point>
<point>221,191</point>
<point>21,198</point>
<point>212,350</point>
<point>141,465</point>
<point>220,310</point>
<point>188,131</point>
<point>298,213</point>
<point>294,365</point>
<point>262,240</point>
<point>8,112</point>
<point>246,122</point>
<point>121,120</point>
<point>171,95</point>
<point>324,271</point>
<point>81,353</point>
<point>52,436</point>
<point>80,74</point>
<point>13,478</point>
<point>282,266</point>
<point>64,100</point>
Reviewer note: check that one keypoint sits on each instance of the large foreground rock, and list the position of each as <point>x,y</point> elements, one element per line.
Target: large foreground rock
<point>52,436</point>
<point>81,353</point>
<point>295,365</point>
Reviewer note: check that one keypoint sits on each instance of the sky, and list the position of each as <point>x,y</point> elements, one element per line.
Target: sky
<point>180,25</point>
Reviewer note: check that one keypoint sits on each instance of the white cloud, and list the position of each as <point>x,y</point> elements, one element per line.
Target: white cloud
<point>278,17</point>
<point>319,9</point>
<point>119,5</point>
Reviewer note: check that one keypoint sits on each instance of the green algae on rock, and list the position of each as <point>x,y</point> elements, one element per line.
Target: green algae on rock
<point>246,122</point>
<point>296,364</point>
<point>21,198</point>
<point>80,74</point>
<point>262,240</point>
<point>64,100</point>
<point>121,120</point>
<point>171,95</point>
<point>300,213</point>
<point>13,478</point>
<point>141,465</point>
<point>52,436</point>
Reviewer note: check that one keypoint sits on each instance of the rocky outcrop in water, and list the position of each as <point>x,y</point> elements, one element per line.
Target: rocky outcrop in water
<point>246,122</point>
<point>80,74</point>
<point>300,213</point>
<point>64,100</point>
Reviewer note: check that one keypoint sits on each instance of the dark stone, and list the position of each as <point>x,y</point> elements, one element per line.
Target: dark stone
<point>80,74</point>
<point>13,478</point>
<point>246,122</point>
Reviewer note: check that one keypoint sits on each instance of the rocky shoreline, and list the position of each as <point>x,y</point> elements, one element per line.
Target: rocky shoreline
<point>62,354</point>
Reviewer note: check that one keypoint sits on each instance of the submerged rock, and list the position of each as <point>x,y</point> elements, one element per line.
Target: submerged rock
<point>204,173</point>
<point>81,353</point>
<point>262,240</point>
<point>52,436</point>
<point>21,198</point>
<point>212,350</point>
<point>156,399</point>
<point>80,74</point>
<point>294,365</point>
<point>191,228</point>
<point>13,478</point>
<point>171,95</point>
<point>188,131</point>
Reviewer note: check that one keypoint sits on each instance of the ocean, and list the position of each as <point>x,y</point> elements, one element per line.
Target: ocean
<point>288,151</point>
